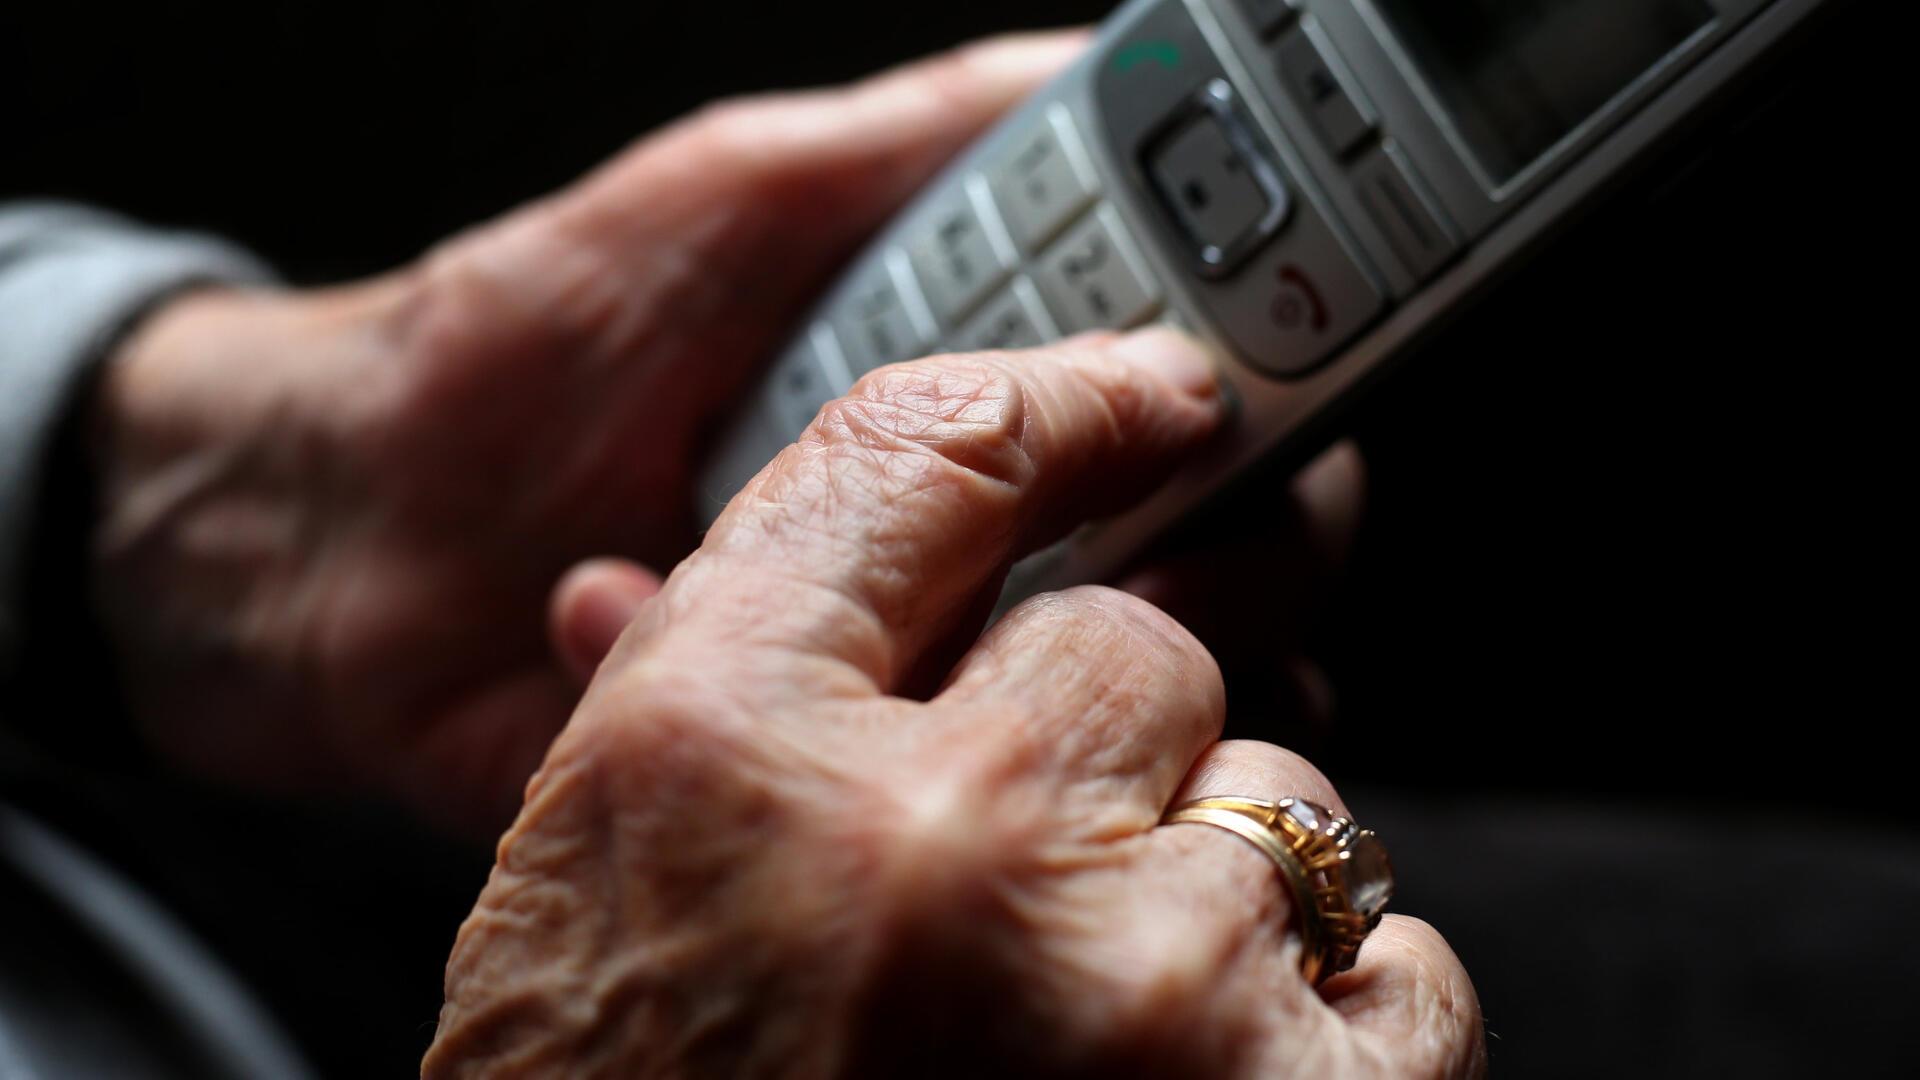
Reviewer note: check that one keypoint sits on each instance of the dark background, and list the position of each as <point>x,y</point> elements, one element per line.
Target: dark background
<point>1636,542</point>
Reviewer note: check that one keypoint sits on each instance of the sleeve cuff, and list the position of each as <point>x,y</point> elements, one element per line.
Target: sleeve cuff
<point>72,281</point>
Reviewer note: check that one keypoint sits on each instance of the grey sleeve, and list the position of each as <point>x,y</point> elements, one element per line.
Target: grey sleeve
<point>71,281</point>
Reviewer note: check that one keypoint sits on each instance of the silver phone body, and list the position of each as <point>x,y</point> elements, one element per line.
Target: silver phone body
<point>1312,185</point>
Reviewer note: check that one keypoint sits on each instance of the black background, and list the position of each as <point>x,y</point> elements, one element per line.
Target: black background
<point>1637,522</point>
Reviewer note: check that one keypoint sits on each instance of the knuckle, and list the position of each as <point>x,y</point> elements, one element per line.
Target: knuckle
<point>660,736</point>
<point>449,286</point>
<point>959,819</point>
<point>952,78</point>
<point>730,124</point>
<point>1086,602</point>
<point>1141,994</point>
<point>466,316</point>
<point>1162,633</point>
<point>967,412</point>
<point>1250,767</point>
<point>742,141</point>
<point>956,831</point>
<point>947,83</point>
<point>1101,622</point>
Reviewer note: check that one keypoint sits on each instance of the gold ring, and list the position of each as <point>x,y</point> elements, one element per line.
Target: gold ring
<point>1338,873</point>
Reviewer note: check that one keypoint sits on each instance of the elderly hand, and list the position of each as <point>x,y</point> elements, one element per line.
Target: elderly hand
<point>332,521</point>
<point>750,854</point>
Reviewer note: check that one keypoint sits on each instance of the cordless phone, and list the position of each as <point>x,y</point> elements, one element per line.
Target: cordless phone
<point>1308,184</point>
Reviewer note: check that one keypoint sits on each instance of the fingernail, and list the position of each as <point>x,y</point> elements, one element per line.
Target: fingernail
<point>1177,357</point>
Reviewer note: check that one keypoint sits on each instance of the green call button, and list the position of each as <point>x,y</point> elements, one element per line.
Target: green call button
<point>1132,55</point>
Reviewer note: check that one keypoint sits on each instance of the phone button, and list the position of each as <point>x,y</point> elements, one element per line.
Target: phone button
<point>1321,84</point>
<point>1095,279</point>
<point>1414,228</point>
<point>1296,301</point>
<point>1016,319</point>
<point>1044,182</point>
<point>959,253</point>
<point>876,322</point>
<point>807,377</point>
<point>1269,15</point>
<point>1216,179</point>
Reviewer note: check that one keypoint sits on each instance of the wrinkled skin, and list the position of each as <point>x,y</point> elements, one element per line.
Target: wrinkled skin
<point>748,855</point>
<point>802,822</point>
<point>334,522</point>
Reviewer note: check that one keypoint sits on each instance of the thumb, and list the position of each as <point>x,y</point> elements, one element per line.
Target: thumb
<point>591,608</point>
<point>1409,1000</point>
<point>771,186</point>
<point>714,235</point>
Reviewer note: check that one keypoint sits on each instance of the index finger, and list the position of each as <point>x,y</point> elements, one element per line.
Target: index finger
<point>895,516</point>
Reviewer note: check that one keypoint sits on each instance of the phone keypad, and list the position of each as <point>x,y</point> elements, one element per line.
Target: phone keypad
<point>957,255</point>
<point>959,283</point>
<point>876,326</point>
<point>1310,69</point>
<point>1044,182</point>
<point>804,379</point>
<point>1023,244</point>
<point>1094,279</point>
<point>1269,15</point>
<point>1016,319</point>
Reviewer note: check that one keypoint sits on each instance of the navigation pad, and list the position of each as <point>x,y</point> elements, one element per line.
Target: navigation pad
<point>1212,175</point>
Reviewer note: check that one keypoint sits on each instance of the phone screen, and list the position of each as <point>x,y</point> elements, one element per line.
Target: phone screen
<point>1516,76</point>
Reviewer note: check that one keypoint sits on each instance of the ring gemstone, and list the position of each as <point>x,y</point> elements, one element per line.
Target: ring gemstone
<point>1303,813</point>
<point>1367,875</point>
